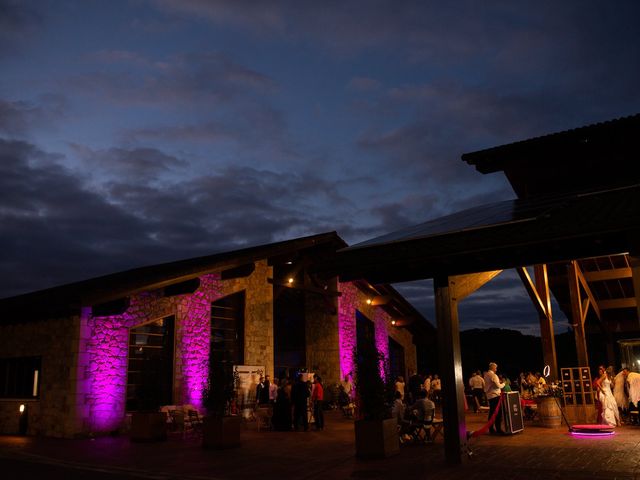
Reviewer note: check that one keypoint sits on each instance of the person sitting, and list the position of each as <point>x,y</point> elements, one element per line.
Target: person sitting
<point>422,406</point>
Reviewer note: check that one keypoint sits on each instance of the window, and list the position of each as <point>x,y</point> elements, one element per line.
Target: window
<point>227,329</point>
<point>20,377</point>
<point>396,359</point>
<point>150,373</point>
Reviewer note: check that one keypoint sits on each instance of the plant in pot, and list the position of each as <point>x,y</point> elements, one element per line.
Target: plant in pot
<point>220,428</point>
<point>148,424</point>
<point>375,430</point>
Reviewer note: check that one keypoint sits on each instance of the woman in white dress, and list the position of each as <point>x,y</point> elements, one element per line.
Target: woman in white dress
<point>610,414</point>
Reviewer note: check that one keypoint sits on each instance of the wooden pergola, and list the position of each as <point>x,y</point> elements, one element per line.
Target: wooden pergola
<point>578,206</point>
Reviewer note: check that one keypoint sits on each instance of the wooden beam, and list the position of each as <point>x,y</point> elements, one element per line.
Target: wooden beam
<point>630,302</point>
<point>450,364</point>
<point>592,300</point>
<point>532,291</point>
<point>466,284</point>
<point>576,314</point>
<point>380,300</point>
<point>612,274</point>
<point>546,321</point>
<point>585,309</point>
<point>305,288</point>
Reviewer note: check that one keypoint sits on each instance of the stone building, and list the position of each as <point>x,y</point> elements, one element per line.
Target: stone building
<point>78,355</point>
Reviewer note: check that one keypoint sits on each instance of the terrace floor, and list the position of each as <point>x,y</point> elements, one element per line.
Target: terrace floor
<point>536,452</point>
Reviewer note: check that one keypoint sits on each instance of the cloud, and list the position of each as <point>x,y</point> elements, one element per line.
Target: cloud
<point>17,118</point>
<point>18,22</point>
<point>189,78</point>
<point>55,227</point>
<point>133,165</point>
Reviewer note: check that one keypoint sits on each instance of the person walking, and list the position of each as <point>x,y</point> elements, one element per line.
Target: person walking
<point>493,388</point>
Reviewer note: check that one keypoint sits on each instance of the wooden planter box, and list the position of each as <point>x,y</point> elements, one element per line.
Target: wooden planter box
<point>221,432</point>
<point>148,427</point>
<point>377,438</point>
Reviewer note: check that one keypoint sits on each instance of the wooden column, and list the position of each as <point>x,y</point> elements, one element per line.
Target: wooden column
<point>450,363</point>
<point>546,321</point>
<point>577,316</point>
<point>634,262</point>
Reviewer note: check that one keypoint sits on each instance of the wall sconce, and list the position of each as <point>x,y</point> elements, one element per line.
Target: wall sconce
<point>393,322</point>
<point>368,301</point>
<point>290,280</point>
<point>23,420</point>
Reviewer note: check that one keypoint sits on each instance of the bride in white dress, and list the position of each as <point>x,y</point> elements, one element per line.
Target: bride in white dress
<point>610,414</point>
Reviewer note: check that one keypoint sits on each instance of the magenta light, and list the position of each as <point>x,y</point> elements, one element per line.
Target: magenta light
<point>107,350</point>
<point>592,434</point>
<point>347,304</point>
<point>381,320</point>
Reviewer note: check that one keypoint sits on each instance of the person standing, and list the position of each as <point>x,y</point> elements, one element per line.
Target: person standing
<point>399,386</point>
<point>347,386</point>
<point>299,396</point>
<point>436,387</point>
<point>633,382</point>
<point>317,397</point>
<point>492,388</point>
<point>415,385</point>
<point>476,382</point>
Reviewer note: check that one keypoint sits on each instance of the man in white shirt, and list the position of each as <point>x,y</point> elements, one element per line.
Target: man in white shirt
<point>493,388</point>
<point>476,382</point>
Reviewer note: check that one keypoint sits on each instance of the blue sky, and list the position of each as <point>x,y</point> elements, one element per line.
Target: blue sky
<point>143,131</point>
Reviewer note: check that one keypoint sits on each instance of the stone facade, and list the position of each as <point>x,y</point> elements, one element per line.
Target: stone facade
<point>85,357</point>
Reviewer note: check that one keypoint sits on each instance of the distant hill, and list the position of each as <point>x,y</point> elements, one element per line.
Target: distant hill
<point>510,349</point>
<point>515,352</point>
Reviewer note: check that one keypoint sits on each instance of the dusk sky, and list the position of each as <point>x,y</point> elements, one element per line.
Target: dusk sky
<point>146,131</point>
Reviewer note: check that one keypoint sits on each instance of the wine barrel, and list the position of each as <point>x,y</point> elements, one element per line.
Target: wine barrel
<point>549,412</point>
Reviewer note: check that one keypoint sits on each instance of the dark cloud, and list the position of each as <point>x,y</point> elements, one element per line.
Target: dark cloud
<point>209,132</point>
<point>55,228</point>
<point>17,118</point>
<point>188,78</point>
<point>18,22</point>
<point>130,165</point>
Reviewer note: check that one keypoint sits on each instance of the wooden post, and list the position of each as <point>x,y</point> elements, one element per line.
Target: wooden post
<point>450,363</point>
<point>546,321</point>
<point>634,263</point>
<point>577,317</point>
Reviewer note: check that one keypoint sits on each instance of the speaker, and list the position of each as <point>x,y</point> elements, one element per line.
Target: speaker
<point>512,412</point>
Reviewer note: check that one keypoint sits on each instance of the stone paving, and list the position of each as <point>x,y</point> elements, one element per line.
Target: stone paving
<point>534,453</point>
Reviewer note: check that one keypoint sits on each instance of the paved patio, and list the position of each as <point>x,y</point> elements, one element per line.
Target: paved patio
<point>535,452</point>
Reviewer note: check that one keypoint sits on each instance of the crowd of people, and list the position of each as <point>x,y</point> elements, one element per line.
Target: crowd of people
<point>617,395</point>
<point>290,400</point>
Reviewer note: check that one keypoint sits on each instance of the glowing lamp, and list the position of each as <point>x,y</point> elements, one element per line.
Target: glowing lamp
<point>393,322</point>
<point>21,409</point>
<point>368,301</point>
<point>290,280</point>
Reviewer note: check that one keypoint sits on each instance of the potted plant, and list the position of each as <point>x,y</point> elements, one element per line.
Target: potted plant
<point>148,424</point>
<point>220,428</point>
<point>376,432</point>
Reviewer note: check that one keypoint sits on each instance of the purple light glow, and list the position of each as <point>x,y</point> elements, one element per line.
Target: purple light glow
<point>382,339</point>
<point>195,312</point>
<point>107,349</point>
<point>592,434</point>
<point>347,327</point>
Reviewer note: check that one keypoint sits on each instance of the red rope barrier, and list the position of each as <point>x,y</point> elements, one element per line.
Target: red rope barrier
<point>491,421</point>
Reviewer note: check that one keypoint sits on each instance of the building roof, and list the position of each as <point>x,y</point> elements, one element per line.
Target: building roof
<point>501,235</point>
<point>67,299</point>
<point>581,159</point>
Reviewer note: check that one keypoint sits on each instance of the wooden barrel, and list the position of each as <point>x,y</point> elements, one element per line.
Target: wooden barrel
<point>549,412</point>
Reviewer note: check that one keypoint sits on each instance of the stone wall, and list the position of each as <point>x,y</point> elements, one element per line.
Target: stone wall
<point>104,344</point>
<point>56,341</point>
<point>353,299</point>
<point>321,332</point>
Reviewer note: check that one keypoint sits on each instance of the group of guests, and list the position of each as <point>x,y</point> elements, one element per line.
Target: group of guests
<point>616,394</point>
<point>290,400</point>
<point>408,415</point>
<point>410,392</point>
